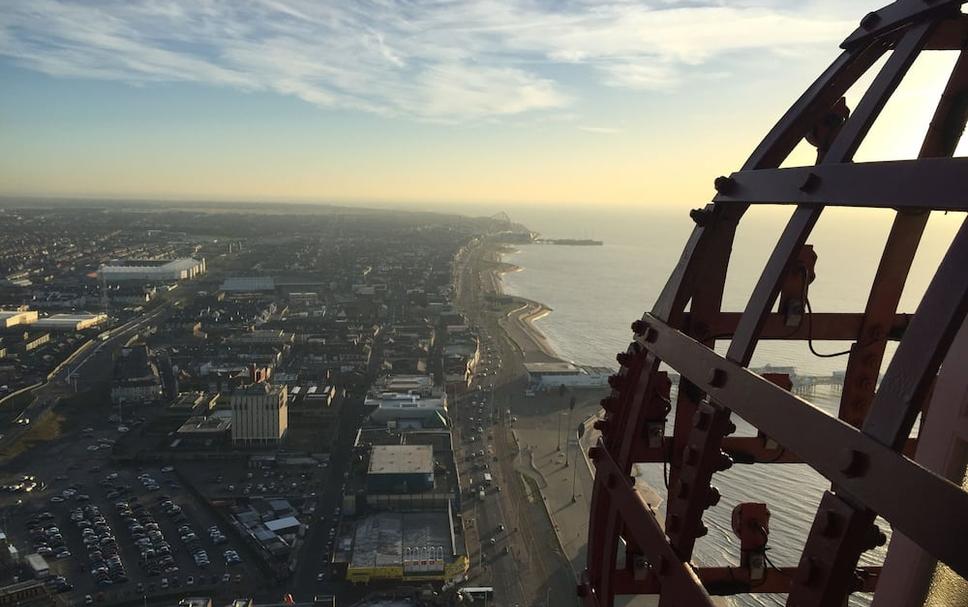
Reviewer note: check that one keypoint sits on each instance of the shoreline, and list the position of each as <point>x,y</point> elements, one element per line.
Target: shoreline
<point>519,322</point>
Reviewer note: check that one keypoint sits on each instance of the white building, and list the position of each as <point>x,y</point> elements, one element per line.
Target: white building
<point>408,410</point>
<point>153,270</point>
<point>13,318</point>
<point>260,415</point>
<point>553,375</point>
<point>70,322</point>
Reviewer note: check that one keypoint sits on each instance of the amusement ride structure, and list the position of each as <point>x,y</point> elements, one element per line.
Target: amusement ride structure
<point>867,453</point>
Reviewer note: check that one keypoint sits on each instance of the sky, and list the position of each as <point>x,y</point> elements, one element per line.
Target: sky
<point>410,101</point>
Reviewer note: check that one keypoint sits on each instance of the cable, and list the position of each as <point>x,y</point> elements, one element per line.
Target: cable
<point>810,334</point>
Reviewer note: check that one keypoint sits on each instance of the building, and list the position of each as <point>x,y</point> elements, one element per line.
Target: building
<point>553,375</point>
<point>152,270</point>
<point>248,284</point>
<point>30,593</point>
<point>136,378</point>
<point>406,546</point>
<point>70,322</point>
<point>406,384</point>
<point>260,415</point>
<point>398,410</point>
<point>14,318</point>
<point>400,468</point>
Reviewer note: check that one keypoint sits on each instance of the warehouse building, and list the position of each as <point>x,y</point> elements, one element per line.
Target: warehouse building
<point>152,270</point>
<point>15,318</point>
<point>400,469</point>
<point>70,322</point>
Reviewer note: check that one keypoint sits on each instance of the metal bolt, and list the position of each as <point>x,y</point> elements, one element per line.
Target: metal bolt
<point>730,428</point>
<point>831,523</point>
<point>701,419</point>
<point>870,21</point>
<point>810,183</point>
<point>701,530</point>
<point>623,358</point>
<point>594,453</point>
<point>615,381</point>
<point>717,378</point>
<point>700,217</point>
<point>650,335</point>
<point>725,462</point>
<point>712,497</point>
<point>601,425</point>
<point>639,326</point>
<point>691,455</point>
<point>853,463</point>
<point>876,538</point>
<point>724,185</point>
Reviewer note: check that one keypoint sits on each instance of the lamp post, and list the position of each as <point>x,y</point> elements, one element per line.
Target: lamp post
<point>574,473</point>
<point>571,407</point>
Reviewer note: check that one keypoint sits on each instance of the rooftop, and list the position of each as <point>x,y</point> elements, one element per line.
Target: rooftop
<point>401,459</point>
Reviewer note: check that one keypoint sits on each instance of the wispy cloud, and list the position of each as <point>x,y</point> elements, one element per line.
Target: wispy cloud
<point>600,130</point>
<point>449,61</point>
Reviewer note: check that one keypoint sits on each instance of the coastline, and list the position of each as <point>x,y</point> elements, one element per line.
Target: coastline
<point>521,314</point>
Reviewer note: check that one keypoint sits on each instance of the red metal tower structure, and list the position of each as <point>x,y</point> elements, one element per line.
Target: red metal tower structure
<point>867,453</point>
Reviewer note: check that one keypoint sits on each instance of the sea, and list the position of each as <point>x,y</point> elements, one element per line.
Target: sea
<point>595,292</point>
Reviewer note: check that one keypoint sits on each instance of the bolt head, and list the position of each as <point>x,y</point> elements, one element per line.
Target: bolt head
<point>639,326</point>
<point>853,463</point>
<point>724,185</point>
<point>717,378</point>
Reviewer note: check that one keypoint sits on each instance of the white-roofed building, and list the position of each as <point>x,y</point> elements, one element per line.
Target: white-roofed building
<point>152,270</point>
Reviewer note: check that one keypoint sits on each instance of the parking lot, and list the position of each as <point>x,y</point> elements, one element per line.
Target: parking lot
<point>109,533</point>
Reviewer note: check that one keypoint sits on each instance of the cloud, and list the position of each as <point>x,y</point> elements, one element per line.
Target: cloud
<point>600,130</point>
<point>433,60</point>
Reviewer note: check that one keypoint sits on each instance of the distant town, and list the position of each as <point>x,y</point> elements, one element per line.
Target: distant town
<point>229,405</point>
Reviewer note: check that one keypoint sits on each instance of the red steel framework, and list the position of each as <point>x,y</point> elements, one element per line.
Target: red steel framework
<point>866,453</point>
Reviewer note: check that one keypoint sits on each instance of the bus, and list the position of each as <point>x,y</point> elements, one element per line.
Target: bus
<point>477,592</point>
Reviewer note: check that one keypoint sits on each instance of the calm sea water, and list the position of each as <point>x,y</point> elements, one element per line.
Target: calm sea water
<point>595,293</point>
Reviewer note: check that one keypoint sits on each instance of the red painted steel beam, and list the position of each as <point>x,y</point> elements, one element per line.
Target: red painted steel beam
<point>827,326</point>
<point>812,434</point>
<point>897,15</point>
<point>949,35</point>
<point>728,581</point>
<point>897,184</point>
<point>745,450</point>
<point>674,576</point>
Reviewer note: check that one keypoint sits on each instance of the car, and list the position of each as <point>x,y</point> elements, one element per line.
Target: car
<point>56,499</point>
<point>320,576</point>
<point>88,599</point>
<point>190,581</point>
<point>226,578</point>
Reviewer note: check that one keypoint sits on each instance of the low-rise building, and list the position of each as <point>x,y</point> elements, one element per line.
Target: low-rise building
<point>70,322</point>
<point>15,318</point>
<point>136,379</point>
<point>397,410</point>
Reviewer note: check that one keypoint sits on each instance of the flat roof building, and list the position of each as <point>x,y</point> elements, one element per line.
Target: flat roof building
<point>13,318</point>
<point>260,415</point>
<point>400,468</point>
<point>152,270</point>
<point>70,322</point>
<point>408,410</point>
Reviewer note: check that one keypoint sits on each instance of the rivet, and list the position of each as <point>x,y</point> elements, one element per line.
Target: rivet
<point>725,462</point>
<point>615,381</point>
<point>712,497</point>
<point>810,183</point>
<point>853,463</point>
<point>639,326</point>
<point>623,358</point>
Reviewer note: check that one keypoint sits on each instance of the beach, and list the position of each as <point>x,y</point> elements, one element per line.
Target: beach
<point>545,466</point>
